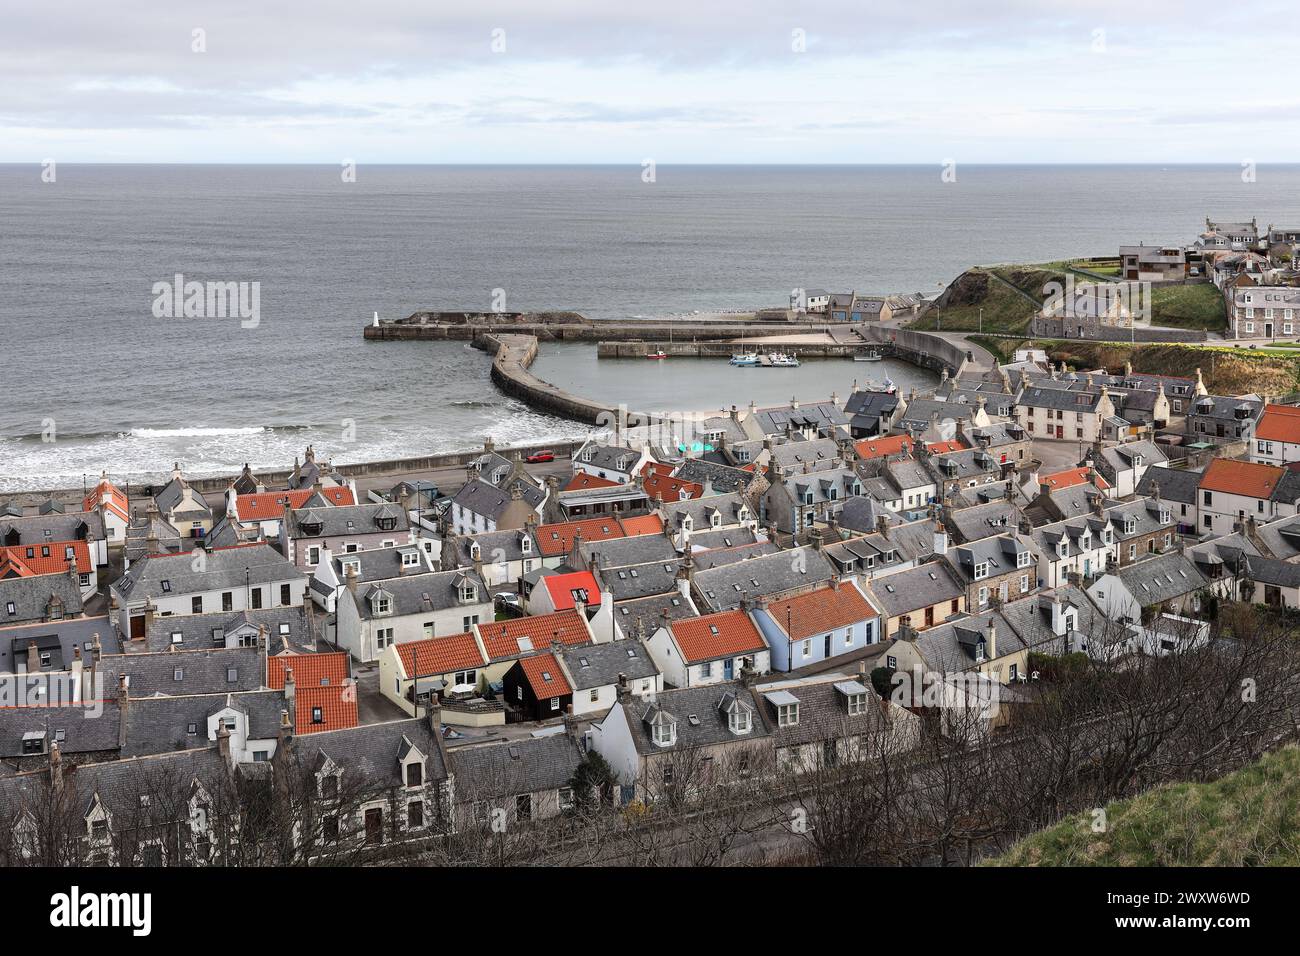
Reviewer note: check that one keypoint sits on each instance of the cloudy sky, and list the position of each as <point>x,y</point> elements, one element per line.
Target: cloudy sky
<point>678,81</point>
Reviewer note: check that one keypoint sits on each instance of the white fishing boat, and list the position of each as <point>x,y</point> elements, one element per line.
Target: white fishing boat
<point>867,357</point>
<point>781,360</point>
<point>744,359</point>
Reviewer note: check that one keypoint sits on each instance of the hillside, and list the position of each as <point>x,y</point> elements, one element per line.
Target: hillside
<point>1007,295</point>
<point>1226,371</point>
<point>1248,818</point>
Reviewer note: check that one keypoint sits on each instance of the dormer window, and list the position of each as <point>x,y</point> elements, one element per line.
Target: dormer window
<point>382,605</point>
<point>410,559</point>
<point>857,704</point>
<point>979,651</point>
<point>386,524</point>
<point>469,593</point>
<point>981,570</point>
<point>665,733</point>
<point>526,545</point>
<point>1130,525</point>
<point>1023,558</point>
<point>787,715</point>
<point>739,721</point>
<point>1164,517</point>
<point>414,774</point>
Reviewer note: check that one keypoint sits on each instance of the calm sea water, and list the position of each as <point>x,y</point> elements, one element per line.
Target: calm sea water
<point>87,363</point>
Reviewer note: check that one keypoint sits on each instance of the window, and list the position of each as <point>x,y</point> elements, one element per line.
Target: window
<point>981,570</point>
<point>383,637</point>
<point>595,695</point>
<point>227,601</point>
<point>555,703</point>
<point>257,598</point>
<point>285,597</point>
<point>706,669</point>
<point>232,675</point>
<point>177,637</point>
<point>524,806</point>
<point>414,774</point>
<point>787,715</point>
<point>317,715</point>
<point>807,648</point>
<point>415,814</point>
<point>566,798</point>
<point>330,829</point>
<point>858,704</point>
<point>1024,583</point>
<point>196,604</point>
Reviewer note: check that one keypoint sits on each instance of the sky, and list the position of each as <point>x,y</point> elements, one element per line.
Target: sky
<point>673,81</point>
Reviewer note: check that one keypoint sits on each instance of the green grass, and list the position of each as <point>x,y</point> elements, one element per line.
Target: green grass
<point>1247,818</point>
<point>1188,307</point>
<point>1003,311</point>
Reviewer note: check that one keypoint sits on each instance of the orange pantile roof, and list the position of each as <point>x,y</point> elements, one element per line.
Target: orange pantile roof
<point>668,488</point>
<point>114,500</point>
<point>1071,477</point>
<point>712,636</point>
<point>946,447</point>
<point>583,480</point>
<point>309,670</point>
<point>820,611</point>
<point>440,655</point>
<point>502,638</point>
<point>545,677</point>
<point>338,707</point>
<point>27,560</point>
<point>554,539</point>
<point>1240,478</point>
<point>1279,423</point>
<point>642,524</point>
<point>879,447</point>
<point>562,586</point>
<point>269,505</point>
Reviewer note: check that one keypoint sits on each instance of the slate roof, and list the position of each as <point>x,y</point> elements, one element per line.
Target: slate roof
<point>171,496</point>
<point>710,726</point>
<point>67,634</point>
<point>904,591</point>
<point>178,673</point>
<point>1263,570</point>
<point>418,593</point>
<point>819,415</point>
<point>716,557</point>
<point>601,664</point>
<point>38,529</point>
<point>514,767</point>
<point>633,615</point>
<point>284,625</point>
<point>980,521</point>
<point>823,710</point>
<point>1160,578</point>
<point>380,564</point>
<point>1000,552</point>
<point>641,580</point>
<point>623,552</point>
<point>724,478</point>
<point>32,596</point>
<point>727,507</point>
<point>223,568</point>
<point>160,724</point>
<point>371,753</point>
<point>722,588</point>
<point>83,730</point>
<point>344,520</point>
<point>1176,484</point>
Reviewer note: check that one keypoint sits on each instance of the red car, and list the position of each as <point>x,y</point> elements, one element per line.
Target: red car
<point>540,456</point>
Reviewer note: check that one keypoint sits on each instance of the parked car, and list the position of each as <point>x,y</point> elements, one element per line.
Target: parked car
<point>540,456</point>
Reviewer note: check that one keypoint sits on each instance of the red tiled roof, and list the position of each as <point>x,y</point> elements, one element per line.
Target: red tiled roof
<point>1279,423</point>
<point>501,638</point>
<point>583,480</point>
<point>440,655</point>
<point>1071,477</point>
<point>735,634</point>
<point>820,611</point>
<point>269,505</point>
<point>309,670</point>
<point>660,483</point>
<point>538,669</point>
<point>946,447</point>
<point>562,586</point>
<point>26,560</point>
<point>556,539</point>
<point>113,497</point>
<point>642,524</point>
<point>338,707</point>
<point>879,447</point>
<point>1240,478</point>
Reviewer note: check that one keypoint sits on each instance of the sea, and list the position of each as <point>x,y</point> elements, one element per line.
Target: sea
<point>95,376</point>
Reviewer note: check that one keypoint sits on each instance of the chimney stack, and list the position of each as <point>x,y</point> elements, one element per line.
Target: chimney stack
<point>434,714</point>
<point>290,686</point>
<point>223,743</point>
<point>123,708</point>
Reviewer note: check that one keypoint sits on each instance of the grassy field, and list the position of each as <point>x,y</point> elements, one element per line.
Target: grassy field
<point>1188,307</point>
<point>972,292</point>
<point>1247,818</point>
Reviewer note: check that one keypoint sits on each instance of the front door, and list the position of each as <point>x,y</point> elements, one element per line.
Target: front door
<point>929,617</point>
<point>137,626</point>
<point>1060,431</point>
<point>826,652</point>
<point>728,668</point>
<point>375,825</point>
<point>1268,330</point>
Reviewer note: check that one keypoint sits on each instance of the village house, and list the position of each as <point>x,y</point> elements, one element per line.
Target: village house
<point>1277,436</point>
<point>54,557</point>
<point>1124,466</point>
<point>68,645</point>
<point>792,505</point>
<point>871,413</point>
<point>375,564</point>
<point>1063,414</point>
<point>611,462</point>
<point>1262,311</point>
<point>375,615</point>
<point>1178,489</point>
<point>810,628</point>
<point>918,598</point>
<point>514,782</point>
<point>1002,567</point>
<point>281,630</point>
<point>1139,528</point>
<point>110,502</point>
<point>1157,263</point>
<point>1072,550</point>
<point>264,510</point>
<point>684,740</point>
<point>1137,592</point>
<point>481,506</point>
<point>773,576</point>
<point>698,651</point>
<point>536,686</point>
<point>1223,419</point>
<point>17,528</point>
<point>308,533</point>
<point>184,507</point>
<point>828,720</point>
<point>318,688</point>
<point>598,672</point>
<point>1233,491</point>
<point>450,666</point>
<point>243,577</point>
<point>507,641</point>
<point>501,558</point>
